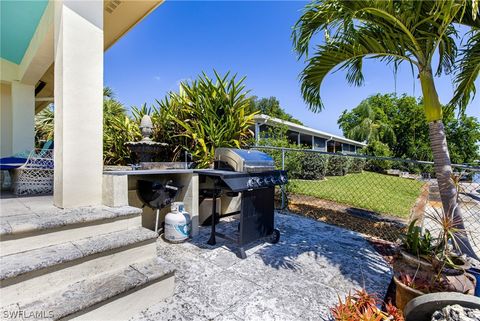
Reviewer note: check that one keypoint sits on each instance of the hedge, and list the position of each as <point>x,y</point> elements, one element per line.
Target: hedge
<point>337,166</point>
<point>313,166</point>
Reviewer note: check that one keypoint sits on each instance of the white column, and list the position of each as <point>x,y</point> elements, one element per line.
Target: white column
<point>257,133</point>
<point>78,103</point>
<point>23,117</point>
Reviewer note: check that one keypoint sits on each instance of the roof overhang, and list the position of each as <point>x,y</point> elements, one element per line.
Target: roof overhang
<point>272,121</point>
<point>119,17</point>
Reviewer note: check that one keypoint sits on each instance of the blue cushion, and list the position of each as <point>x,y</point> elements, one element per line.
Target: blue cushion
<point>11,162</point>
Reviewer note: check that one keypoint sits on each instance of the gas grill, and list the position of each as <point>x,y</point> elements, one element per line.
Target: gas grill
<point>252,175</point>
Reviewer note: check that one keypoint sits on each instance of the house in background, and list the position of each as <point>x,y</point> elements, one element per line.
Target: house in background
<point>307,136</point>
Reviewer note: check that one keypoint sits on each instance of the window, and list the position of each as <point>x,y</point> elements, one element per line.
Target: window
<point>306,140</point>
<point>292,137</point>
<point>319,143</point>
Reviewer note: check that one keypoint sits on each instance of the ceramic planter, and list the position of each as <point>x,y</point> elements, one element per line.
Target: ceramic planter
<point>416,262</point>
<point>404,294</point>
<point>422,307</point>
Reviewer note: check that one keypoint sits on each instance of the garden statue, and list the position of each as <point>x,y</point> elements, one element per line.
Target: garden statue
<point>146,150</point>
<point>146,128</point>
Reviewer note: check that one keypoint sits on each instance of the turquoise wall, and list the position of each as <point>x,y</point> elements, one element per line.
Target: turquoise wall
<point>18,22</point>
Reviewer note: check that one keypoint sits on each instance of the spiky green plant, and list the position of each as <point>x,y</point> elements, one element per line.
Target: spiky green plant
<point>395,32</point>
<point>210,113</point>
<point>44,126</point>
<point>118,129</point>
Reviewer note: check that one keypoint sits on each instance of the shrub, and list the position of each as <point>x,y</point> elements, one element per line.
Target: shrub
<point>292,160</point>
<point>277,137</point>
<point>379,149</point>
<point>313,166</point>
<point>337,166</point>
<point>356,165</point>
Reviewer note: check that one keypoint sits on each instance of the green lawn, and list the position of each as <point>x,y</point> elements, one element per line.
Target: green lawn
<point>371,191</point>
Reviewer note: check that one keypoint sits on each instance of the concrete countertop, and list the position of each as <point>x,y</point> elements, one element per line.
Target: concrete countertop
<point>150,172</point>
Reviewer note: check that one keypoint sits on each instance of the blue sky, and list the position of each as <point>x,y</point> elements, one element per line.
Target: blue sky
<point>252,38</point>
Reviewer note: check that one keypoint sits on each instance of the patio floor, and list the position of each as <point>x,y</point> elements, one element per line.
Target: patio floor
<point>299,278</point>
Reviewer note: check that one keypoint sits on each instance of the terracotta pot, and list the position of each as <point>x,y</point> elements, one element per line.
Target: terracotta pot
<point>416,262</point>
<point>423,265</point>
<point>404,293</point>
<point>458,281</point>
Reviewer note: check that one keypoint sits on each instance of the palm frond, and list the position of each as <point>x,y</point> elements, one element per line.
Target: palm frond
<point>348,53</point>
<point>468,71</point>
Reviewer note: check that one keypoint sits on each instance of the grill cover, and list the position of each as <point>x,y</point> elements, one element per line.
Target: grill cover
<point>242,160</point>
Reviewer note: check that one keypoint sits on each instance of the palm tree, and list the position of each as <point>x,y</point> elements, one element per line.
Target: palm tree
<point>371,126</point>
<point>416,32</point>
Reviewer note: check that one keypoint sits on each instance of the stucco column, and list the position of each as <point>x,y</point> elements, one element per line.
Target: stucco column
<point>23,117</point>
<point>78,103</point>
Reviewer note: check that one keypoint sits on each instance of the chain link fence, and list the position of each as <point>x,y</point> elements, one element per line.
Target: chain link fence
<point>376,196</point>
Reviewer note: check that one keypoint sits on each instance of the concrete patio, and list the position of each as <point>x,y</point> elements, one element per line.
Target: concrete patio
<point>299,278</point>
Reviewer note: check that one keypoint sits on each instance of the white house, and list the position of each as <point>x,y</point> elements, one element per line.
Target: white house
<point>307,136</point>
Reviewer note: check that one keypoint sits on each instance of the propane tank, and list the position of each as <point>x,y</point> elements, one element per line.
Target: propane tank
<point>177,223</point>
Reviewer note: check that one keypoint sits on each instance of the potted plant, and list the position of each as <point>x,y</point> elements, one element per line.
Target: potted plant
<point>428,264</point>
<point>416,247</point>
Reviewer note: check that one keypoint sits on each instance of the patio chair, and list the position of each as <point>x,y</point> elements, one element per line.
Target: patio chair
<point>36,175</point>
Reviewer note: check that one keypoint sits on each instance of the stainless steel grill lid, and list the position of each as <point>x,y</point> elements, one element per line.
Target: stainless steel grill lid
<point>241,160</point>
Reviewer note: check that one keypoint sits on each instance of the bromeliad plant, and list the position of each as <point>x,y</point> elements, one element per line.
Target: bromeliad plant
<point>210,113</point>
<point>364,306</point>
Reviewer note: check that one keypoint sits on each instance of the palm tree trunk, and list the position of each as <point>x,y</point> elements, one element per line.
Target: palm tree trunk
<point>448,191</point>
<point>441,159</point>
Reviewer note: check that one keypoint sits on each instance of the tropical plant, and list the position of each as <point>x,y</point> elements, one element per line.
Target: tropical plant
<point>367,123</point>
<point>210,113</point>
<point>415,32</point>
<point>44,126</point>
<point>364,306</point>
<point>388,117</point>
<point>377,148</point>
<point>415,242</point>
<point>118,129</point>
<point>445,251</point>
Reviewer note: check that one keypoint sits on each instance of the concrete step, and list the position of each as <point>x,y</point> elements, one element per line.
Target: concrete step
<point>115,295</point>
<point>22,232</point>
<point>32,273</point>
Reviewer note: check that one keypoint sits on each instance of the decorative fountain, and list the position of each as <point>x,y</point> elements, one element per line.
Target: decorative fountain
<point>146,149</point>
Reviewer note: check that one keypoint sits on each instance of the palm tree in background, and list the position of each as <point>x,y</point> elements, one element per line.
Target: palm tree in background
<point>413,32</point>
<point>372,127</point>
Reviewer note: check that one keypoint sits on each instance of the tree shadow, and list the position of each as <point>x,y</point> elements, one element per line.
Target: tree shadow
<point>313,248</point>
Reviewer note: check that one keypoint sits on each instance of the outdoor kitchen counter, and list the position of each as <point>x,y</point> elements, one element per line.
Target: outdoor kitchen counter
<point>150,172</point>
<point>168,171</point>
<point>120,188</point>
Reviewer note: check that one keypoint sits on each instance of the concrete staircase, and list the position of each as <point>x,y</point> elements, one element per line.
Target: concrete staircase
<point>81,264</point>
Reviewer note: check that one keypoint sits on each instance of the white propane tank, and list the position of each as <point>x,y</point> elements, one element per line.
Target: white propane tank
<point>177,224</point>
